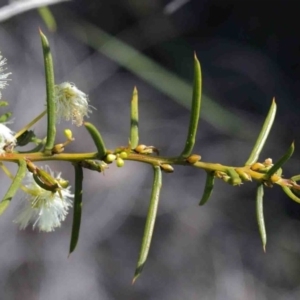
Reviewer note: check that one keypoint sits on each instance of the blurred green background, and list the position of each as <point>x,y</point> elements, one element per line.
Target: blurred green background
<point>249,52</point>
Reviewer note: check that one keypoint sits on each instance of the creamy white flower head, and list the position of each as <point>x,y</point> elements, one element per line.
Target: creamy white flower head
<point>3,76</point>
<point>6,137</point>
<point>43,208</point>
<point>71,103</point>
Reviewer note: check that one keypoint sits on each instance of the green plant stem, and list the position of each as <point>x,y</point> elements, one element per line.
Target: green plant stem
<point>152,160</point>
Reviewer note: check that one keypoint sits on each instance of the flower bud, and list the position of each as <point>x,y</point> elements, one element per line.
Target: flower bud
<point>143,149</point>
<point>167,168</point>
<point>257,166</point>
<point>123,154</point>
<point>68,134</point>
<point>120,162</point>
<point>110,158</point>
<point>268,162</point>
<point>193,158</point>
<point>58,148</point>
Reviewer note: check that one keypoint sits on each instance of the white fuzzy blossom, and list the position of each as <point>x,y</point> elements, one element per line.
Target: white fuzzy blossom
<point>3,76</point>
<point>71,103</point>
<point>43,208</point>
<point>6,138</point>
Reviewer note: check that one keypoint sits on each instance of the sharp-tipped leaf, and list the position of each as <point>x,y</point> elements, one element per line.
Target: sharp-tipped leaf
<point>260,142</point>
<point>77,207</point>
<point>209,185</point>
<point>14,186</point>
<point>134,120</point>
<point>150,221</point>
<point>195,111</point>
<point>97,138</point>
<point>281,161</point>
<point>50,92</point>
<point>290,194</point>
<point>260,215</point>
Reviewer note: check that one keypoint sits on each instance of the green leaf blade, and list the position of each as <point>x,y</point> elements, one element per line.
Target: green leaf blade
<point>281,161</point>
<point>97,138</point>
<point>134,120</point>
<point>263,135</point>
<point>195,111</point>
<point>17,181</point>
<point>150,222</point>
<point>260,215</point>
<point>209,185</point>
<point>50,92</point>
<point>77,210</point>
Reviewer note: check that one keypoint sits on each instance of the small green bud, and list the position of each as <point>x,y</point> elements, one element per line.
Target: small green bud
<point>68,134</point>
<point>123,154</point>
<point>110,158</point>
<point>120,162</point>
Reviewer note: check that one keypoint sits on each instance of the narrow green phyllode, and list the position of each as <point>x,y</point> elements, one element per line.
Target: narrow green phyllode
<point>209,185</point>
<point>195,110</point>
<point>15,185</point>
<point>77,207</point>
<point>50,95</point>
<point>281,161</point>
<point>97,138</point>
<point>260,215</point>
<point>263,135</point>
<point>150,222</point>
<point>134,120</point>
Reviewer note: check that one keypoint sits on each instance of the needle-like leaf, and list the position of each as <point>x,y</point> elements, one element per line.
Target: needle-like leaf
<point>77,207</point>
<point>50,92</point>
<point>151,217</point>
<point>281,161</point>
<point>14,186</point>
<point>195,110</point>
<point>97,138</point>
<point>260,142</point>
<point>134,120</point>
<point>260,215</point>
<point>209,185</point>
